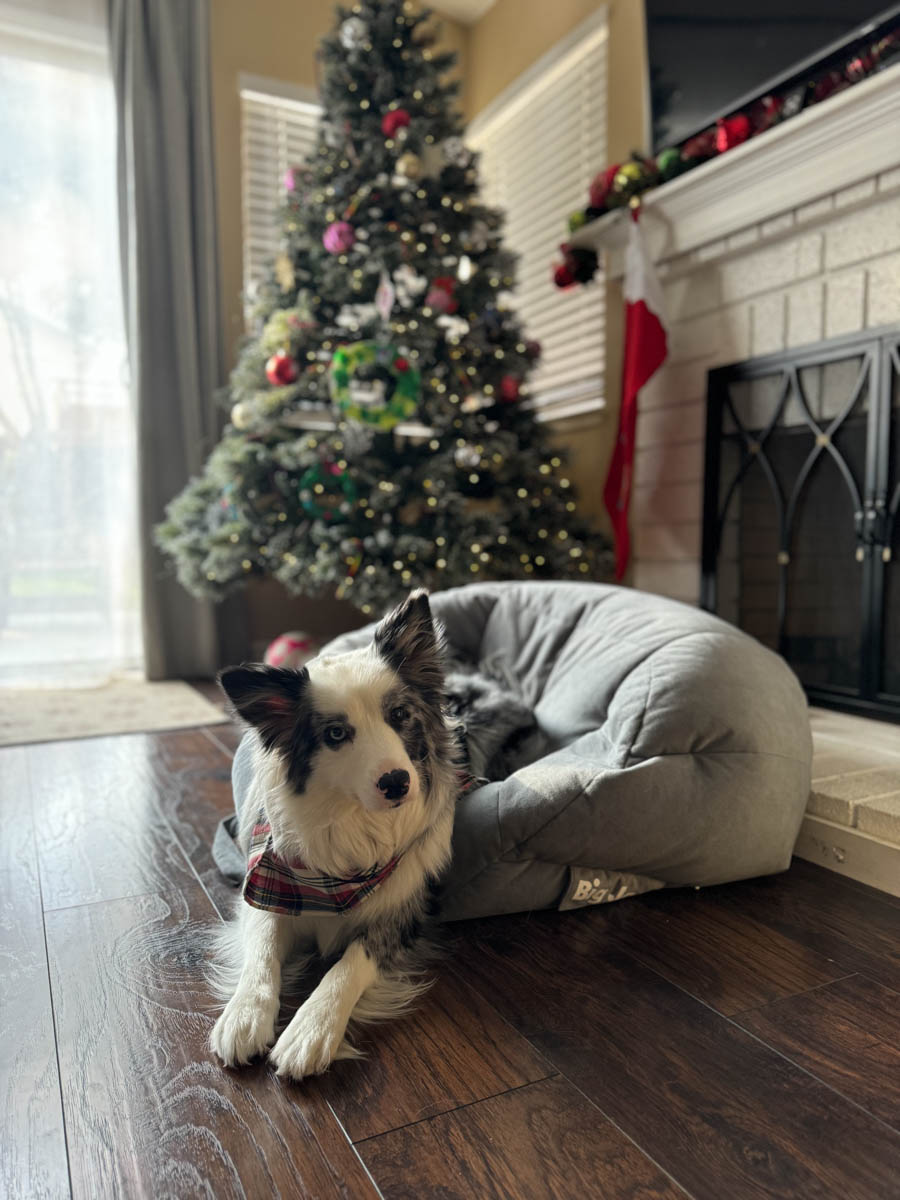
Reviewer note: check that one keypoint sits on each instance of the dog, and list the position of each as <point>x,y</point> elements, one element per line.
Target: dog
<point>347,827</point>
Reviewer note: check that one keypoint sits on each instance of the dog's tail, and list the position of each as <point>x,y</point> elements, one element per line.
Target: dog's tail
<point>394,995</point>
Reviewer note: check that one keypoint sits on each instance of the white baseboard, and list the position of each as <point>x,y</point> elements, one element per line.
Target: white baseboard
<point>850,853</point>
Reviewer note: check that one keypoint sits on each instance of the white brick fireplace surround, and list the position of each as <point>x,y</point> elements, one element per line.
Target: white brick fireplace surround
<point>789,239</point>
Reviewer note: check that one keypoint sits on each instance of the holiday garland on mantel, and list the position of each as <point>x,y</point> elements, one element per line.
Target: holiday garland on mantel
<point>624,183</point>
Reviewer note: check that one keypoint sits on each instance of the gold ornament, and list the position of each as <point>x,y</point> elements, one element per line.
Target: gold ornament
<point>284,273</point>
<point>409,165</point>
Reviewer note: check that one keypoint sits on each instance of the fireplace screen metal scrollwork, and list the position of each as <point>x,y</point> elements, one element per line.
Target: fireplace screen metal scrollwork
<point>801,532</point>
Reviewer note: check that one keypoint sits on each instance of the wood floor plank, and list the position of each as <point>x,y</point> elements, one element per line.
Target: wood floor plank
<point>226,736</point>
<point>722,956</point>
<point>101,832</point>
<point>453,1049</point>
<point>858,930</point>
<point>801,868</point>
<point>722,1113</point>
<point>193,775</point>
<point>32,1137</point>
<point>148,1110</point>
<point>847,1033</point>
<point>543,1142</point>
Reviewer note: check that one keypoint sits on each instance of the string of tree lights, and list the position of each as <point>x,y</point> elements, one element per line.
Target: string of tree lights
<point>380,432</point>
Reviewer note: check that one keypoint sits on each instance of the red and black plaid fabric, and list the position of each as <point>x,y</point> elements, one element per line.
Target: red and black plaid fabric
<point>293,888</point>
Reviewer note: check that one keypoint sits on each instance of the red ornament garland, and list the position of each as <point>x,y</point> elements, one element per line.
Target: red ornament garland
<point>621,182</point>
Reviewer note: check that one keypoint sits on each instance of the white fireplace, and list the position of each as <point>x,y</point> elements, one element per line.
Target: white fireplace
<point>789,239</point>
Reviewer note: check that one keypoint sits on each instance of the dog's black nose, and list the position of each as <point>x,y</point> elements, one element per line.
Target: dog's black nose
<point>394,784</point>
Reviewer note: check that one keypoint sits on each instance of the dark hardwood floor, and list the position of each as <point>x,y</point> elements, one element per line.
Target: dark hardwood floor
<point>742,1041</point>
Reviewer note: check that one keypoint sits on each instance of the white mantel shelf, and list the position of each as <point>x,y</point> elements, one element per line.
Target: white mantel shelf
<point>840,142</point>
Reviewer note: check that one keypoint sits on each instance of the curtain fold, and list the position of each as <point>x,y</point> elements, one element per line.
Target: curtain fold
<point>159,51</point>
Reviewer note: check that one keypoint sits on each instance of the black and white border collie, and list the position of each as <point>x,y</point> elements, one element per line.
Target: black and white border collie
<point>355,777</point>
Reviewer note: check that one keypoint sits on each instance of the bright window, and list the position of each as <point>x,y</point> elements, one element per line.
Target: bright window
<point>541,143</point>
<point>69,601</point>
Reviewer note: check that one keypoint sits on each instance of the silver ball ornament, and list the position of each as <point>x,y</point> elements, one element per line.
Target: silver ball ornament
<point>456,152</point>
<point>354,32</point>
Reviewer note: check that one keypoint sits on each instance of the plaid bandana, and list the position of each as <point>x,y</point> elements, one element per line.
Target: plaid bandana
<point>293,888</point>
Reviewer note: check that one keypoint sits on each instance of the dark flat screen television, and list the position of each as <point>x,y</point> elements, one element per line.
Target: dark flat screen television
<point>707,56</point>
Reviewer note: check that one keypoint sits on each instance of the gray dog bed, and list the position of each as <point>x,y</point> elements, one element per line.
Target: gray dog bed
<point>674,749</point>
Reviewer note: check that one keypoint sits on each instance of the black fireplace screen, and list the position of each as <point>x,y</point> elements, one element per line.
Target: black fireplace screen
<point>801,533</point>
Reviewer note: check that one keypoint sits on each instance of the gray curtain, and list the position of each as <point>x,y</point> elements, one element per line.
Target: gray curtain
<point>160,63</point>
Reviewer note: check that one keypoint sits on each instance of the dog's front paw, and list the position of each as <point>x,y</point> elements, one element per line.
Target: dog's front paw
<point>309,1044</point>
<point>245,1029</point>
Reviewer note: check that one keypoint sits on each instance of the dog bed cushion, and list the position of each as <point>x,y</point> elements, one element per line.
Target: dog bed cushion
<point>678,749</point>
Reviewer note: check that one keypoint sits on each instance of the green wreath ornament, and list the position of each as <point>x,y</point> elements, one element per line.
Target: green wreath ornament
<point>374,384</point>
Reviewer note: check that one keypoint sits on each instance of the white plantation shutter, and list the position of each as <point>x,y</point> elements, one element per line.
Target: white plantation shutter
<point>278,130</point>
<point>541,144</point>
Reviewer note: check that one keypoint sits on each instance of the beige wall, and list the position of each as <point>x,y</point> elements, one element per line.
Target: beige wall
<point>513,34</point>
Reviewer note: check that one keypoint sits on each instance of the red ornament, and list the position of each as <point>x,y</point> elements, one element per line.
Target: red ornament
<point>764,113</point>
<point>509,388</point>
<point>602,186</point>
<point>731,131</point>
<point>401,364</point>
<point>533,349</point>
<point>563,276</point>
<point>827,85</point>
<point>701,146</point>
<point>396,119</point>
<point>281,369</point>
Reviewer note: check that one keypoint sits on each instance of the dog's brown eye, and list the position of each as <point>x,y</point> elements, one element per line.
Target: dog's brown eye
<point>335,734</point>
<point>399,714</point>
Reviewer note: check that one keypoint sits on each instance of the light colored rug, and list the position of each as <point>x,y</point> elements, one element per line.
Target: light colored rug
<point>120,706</point>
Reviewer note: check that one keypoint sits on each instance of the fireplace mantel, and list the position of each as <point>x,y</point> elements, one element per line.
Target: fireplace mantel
<point>828,149</point>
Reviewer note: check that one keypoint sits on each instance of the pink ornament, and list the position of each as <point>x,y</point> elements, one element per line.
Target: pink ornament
<point>281,369</point>
<point>338,237</point>
<point>440,295</point>
<point>291,650</point>
<point>289,179</point>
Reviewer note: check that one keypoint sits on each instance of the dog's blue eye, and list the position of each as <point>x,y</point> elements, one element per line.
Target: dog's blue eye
<point>399,714</point>
<point>335,734</point>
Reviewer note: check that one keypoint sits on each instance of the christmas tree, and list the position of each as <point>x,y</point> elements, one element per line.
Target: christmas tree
<point>380,433</point>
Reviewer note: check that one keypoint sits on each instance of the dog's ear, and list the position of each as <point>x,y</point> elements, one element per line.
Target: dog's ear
<point>408,641</point>
<point>268,698</point>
